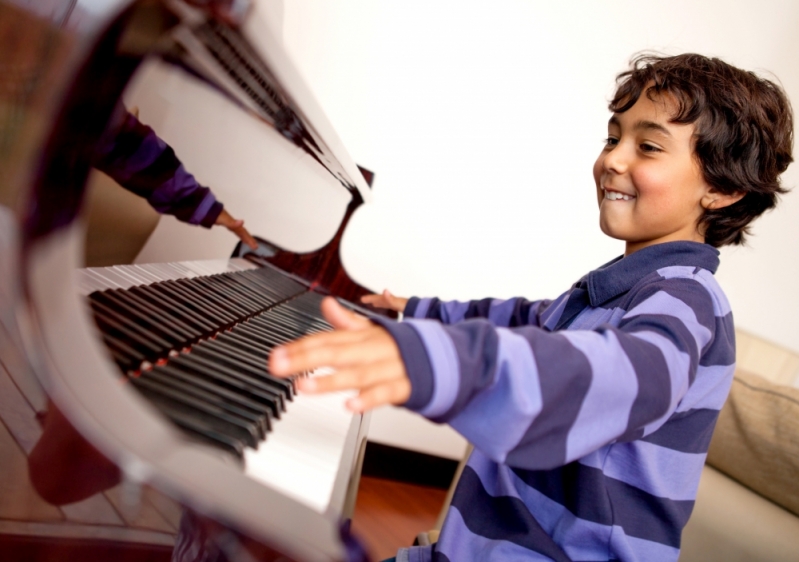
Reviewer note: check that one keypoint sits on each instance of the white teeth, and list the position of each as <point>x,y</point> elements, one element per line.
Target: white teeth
<point>615,195</point>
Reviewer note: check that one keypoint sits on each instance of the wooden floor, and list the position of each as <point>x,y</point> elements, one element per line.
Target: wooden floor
<point>389,514</point>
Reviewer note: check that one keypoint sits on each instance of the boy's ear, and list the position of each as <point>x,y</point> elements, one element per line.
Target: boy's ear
<point>716,200</point>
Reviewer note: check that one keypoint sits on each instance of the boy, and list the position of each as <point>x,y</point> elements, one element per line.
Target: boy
<point>590,414</point>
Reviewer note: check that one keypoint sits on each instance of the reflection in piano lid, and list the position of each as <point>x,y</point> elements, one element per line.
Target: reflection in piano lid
<point>95,466</point>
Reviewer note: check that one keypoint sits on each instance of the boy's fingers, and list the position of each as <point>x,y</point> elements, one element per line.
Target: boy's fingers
<point>332,349</point>
<point>341,318</point>
<point>393,392</point>
<point>245,236</point>
<point>372,299</point>
<point>358,377</point>
<point>394,302</point>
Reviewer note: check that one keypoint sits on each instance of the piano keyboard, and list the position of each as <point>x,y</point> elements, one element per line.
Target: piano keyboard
<point>194,337</point>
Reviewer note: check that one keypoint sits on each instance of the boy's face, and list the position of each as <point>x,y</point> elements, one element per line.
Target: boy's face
<point>649,183</point>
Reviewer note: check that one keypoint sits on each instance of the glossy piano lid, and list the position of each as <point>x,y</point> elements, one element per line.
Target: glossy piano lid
<point>89,469</point>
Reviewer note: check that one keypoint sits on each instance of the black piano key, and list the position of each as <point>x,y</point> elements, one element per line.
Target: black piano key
<point>210,394</point>
<point>223,356</point>
<point>229,423</point>
<point>195,303</point>
<point>267,330</point>
<point>211,301</point>
<point>204,429</point>
<point>272,336</point>
<point>262,298</point>
<point>256,335</point>
<point>301,315</point>
<point>223,288</point>
<point>109,326</point>
<point>238,351</point>
<point>264,409</point>
<point>246,385</point>
<point>133,357</point>
<point>231,298</point>
<point>130,324</point>
<point>140,317</point>
<point>260,286</point>
<point>183,330</point>
<point>251,345</point>
<point>174,308</point>
<point>280,327</point>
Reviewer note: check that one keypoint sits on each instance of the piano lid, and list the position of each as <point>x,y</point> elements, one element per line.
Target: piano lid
<point>61,83</point>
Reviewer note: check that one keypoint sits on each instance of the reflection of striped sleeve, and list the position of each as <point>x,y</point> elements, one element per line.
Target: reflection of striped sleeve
<point>134,156</point>
<point>535,399</point>
<point>511,312</point>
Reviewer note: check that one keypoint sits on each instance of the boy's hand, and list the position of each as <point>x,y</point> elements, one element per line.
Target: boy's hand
<point>386,300</point>
<point>364,356</point>
<point>236,226</point>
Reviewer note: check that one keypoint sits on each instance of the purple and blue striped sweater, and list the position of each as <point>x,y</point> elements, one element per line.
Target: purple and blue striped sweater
<point>591,415</point>
<point>133,156</point>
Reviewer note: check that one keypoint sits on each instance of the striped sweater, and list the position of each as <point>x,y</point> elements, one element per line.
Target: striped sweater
<point>137,159</point>
<point>591,415</point>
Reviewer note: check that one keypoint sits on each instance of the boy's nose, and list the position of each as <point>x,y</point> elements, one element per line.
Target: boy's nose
<point>615,161</point>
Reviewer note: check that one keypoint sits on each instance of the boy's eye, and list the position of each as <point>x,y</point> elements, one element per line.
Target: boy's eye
<point>610,141</point>
<point>645,147</point>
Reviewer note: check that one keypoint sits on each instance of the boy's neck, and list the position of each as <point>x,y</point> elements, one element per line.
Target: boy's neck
<point>632,247</point>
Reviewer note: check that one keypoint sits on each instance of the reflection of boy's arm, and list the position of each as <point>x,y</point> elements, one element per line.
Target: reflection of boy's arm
<point>136,158</point>
<point>64,467</point>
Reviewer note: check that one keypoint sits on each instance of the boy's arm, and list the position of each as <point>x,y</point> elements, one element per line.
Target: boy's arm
<point>510,313</point>
<point>133,155</point>
<point>537,399</point>
<point>525,396</point>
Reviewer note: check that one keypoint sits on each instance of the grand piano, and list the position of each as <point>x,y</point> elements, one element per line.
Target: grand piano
<point>137,419</point>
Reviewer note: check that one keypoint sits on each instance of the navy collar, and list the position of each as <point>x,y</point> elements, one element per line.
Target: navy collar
<point>619,275</point>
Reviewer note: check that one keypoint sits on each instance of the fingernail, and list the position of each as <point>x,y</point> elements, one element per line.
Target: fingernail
<point>354,404</point>
<point>307,385</point>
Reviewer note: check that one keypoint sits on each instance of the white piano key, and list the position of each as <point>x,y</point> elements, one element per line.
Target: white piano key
<point>103,280</point>
<point>301,456</point>
<point>129,274</point>
<point>182,269</point>
<point>145,274</point>
<point>86,283</point>
<point>152,271</point>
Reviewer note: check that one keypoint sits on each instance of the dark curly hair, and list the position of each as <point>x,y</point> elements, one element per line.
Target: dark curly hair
<point>744,131</point>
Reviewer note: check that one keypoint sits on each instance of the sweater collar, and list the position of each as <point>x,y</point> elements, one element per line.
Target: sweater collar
<point>619,275</point>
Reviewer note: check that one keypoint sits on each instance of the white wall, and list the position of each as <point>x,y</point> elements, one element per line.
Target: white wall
<point>482,121</point>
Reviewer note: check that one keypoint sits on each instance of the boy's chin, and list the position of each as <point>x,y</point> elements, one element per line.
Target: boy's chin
<point>607,230</point>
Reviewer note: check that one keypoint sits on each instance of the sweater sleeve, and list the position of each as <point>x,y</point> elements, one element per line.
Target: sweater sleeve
<point>512,312</point>
<point>536,399</point>
<point>133,156</point>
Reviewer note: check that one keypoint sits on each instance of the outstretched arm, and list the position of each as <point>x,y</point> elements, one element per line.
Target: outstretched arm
<point>511,312</point>
<point>525,396</point>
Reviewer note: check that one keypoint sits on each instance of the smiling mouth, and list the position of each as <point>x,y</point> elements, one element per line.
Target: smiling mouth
<point>616,196</point>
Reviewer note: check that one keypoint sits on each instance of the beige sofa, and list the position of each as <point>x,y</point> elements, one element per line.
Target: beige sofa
<point>747,508</point>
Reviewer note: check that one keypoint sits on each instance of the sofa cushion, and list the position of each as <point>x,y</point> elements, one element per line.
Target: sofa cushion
<point>756,441</point>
